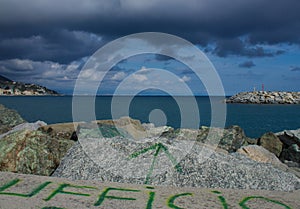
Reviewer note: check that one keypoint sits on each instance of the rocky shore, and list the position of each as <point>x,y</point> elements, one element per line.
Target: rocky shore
<point>126,151</point>
<point>266,97</point>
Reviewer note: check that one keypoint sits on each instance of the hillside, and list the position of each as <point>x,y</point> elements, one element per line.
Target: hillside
<point>9,87</point>
<point>2,78</point>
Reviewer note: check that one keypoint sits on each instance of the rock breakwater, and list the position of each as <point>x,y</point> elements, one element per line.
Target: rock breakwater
<point>266,97</point>
<point>127,151</point>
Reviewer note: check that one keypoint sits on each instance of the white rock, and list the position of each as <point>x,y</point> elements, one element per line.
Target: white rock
<point>25,126</point>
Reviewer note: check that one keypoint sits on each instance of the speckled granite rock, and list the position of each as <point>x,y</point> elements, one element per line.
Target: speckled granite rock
<point>153,160</point>
<point>58,193</point>
<point>8,119</point>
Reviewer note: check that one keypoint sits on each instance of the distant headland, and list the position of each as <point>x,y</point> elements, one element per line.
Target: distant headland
<point>266,97</point>
<point>12,88</point>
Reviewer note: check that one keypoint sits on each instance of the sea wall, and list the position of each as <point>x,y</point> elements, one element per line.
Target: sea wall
<point>266,97</point>
<point>19,191</point>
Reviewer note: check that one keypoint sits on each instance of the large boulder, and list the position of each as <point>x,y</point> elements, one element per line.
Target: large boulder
<point>291,144</point>
<point>8,119</point>
<point>158,161</point>
<point>289,137</point>
<point>230,139</point>
<point>132,127</point>
<point>260,154</point>
<point>25,126</point>
<point>292,153</point>
<point>95,130</point>
<point>60,130</point>
<point>271,142</point>
<point>31,152</point>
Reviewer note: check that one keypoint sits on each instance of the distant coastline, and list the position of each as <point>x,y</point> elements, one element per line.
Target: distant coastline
<point>265,97</point>
<point>13,88</point>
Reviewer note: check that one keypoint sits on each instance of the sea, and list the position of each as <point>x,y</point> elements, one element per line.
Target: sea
<point>255,119</point>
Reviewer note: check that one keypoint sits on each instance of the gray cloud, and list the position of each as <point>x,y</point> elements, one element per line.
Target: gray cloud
<point>295,68</point>
<point>60,45</point>
<point>242,48</point>
<point>247,64</point>
<point>160,57</point>
<point>47,73</point>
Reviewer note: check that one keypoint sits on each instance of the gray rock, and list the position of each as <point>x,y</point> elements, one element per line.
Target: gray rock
<point>25,126</point>
<point>59,130</point>
<point>8,119</point>
<point>292,153</point>
<point>31,152</point>
<point>292,164</point>
<point>260,154</point>
<point>140,161</point>
<point>148,126</point>
<point>230,139</point>
<point>289,137</point>
<point>271,142</point>
<point>166,131</point>
<point>291,144</point>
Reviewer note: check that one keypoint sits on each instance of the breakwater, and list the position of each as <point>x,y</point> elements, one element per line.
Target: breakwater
<point>266,97</point>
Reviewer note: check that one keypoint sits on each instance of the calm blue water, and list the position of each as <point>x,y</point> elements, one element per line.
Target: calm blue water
<point>254,119</point>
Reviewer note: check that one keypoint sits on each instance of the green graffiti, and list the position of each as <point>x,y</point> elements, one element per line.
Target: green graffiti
<point>148,190</point>
<point>61,188</point>
<point>221,198</point>
<point>16,181</point>
<point>171,200</point>
<point>216,192</point>
<point>150,200</point>
<point>157,147</point>
<point>151,197</point>
<point>245,200</point>
<point>105,192</point>
<point>9,184</point>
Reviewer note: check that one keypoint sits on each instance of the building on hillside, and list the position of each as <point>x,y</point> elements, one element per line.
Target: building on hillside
<point>27,92</point>
<point>7,91</point>
<point>17,91</point>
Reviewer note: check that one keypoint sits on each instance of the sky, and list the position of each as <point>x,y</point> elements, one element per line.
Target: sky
<point>249,42</point>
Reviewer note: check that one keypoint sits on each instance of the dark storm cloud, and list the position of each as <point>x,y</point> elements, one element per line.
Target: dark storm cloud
<point>60,45</point>
<point>247,64</point>
<point>67,30</point>
<point>243,48</point>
